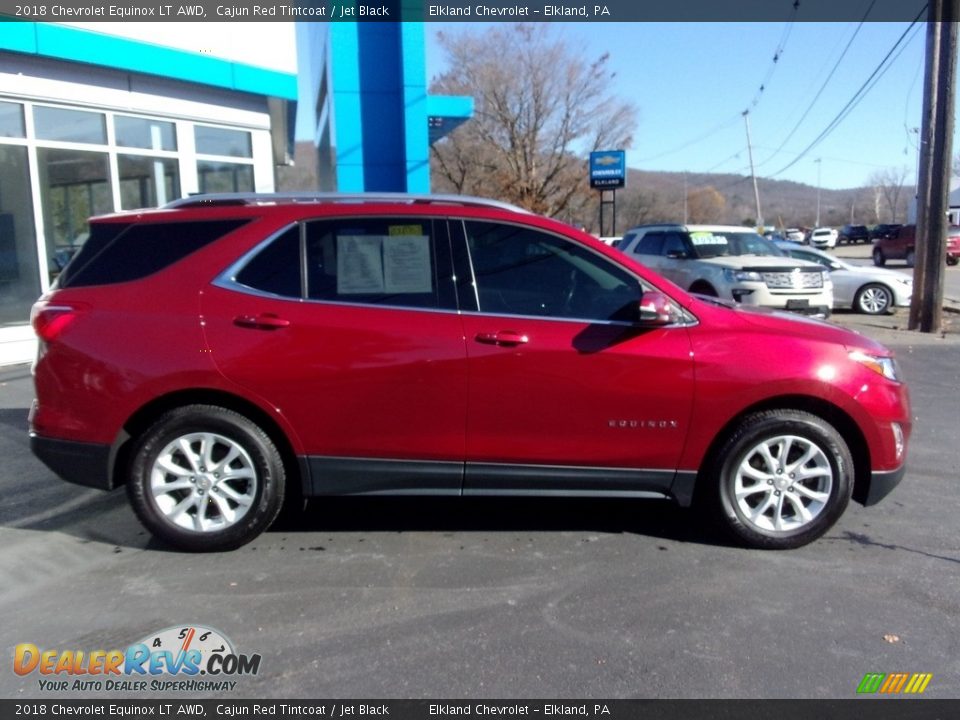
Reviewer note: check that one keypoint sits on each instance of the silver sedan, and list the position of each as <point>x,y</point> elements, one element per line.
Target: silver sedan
<point>869,290</point>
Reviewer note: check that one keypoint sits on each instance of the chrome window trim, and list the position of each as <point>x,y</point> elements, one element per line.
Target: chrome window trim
<point>226,280</point>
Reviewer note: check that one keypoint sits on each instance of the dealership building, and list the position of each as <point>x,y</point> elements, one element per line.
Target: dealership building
<point>100,117</point>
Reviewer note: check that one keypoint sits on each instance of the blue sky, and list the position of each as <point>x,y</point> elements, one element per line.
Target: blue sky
<point>691,82</point>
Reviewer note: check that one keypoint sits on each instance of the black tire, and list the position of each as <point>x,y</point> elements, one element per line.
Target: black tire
<point>953,260</point>
<point>878,259</point>
<point>831,483</point>
<point>703,288</point>
<point>911,258</point>
<point>873,299</point>
<point>249,486</point>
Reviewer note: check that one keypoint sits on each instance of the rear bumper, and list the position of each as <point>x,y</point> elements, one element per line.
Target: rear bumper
<point>86,464</point>
<point>881,484</point>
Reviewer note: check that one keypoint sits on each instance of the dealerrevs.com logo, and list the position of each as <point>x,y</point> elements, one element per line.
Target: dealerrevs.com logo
<point>191,658</point>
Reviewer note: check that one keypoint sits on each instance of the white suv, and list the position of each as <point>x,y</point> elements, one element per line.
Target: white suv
<point>824,238</point>
<point>733,263</point>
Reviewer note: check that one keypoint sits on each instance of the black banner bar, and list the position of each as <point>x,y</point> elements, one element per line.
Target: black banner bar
<point>460,11</point>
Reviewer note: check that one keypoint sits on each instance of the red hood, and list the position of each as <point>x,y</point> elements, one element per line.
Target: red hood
<point>779,322</point>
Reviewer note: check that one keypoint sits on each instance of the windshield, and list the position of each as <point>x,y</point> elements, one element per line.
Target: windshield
<point>707,244</point>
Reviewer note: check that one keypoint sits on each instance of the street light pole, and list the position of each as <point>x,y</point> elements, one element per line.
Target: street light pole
<point>756,192</point>
<point>819,162</point>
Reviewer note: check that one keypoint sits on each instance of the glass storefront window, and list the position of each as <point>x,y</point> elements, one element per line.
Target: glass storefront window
<point>147,181</point>
<point>218,177</point>
<point>74,185</point>
<point>11,120</point>
<point>145,133</point>
<point>19,274</point>
<point>220,141</point>
<point>70,125</point>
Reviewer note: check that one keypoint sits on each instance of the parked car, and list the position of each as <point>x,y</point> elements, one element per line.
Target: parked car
<point>823,237</point>
<point>898,245</point>
<point>882,231</point>
<point>794,235</point>
<point>611,240</point>
<point>901,246</point>
<point>869,290</point>
<point>732,263</point>
<point>851,234</point>
<point>226,352</point>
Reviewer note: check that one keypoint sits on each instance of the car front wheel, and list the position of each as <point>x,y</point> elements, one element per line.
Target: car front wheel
<point>204,478</point>
<point>873,299</point>
<point>782,479</point>
<point>911,258</point>
<point>878,259</point>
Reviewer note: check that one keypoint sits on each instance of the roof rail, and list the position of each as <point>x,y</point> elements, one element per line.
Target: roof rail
<point>326,197</point>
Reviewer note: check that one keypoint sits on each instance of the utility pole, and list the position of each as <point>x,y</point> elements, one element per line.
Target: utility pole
<point>756,192</point>
<point>819,162</point>
<point>926,309</point>
<point>684,198</point>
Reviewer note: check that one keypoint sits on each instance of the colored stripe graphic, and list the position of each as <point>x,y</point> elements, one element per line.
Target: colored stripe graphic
<point>870,683</point>
<point>918,683</point>
<point>894,683</point>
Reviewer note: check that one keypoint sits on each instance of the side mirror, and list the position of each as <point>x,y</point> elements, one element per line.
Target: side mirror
<point>656,310</point>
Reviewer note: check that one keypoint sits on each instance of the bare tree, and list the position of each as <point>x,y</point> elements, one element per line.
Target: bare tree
<point>540,108</point>
<point>705,205</point>
<point>889,185</point>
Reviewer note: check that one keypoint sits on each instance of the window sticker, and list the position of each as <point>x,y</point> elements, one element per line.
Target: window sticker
<point>359,265</point>
<point>707,238</point>
<point>406,264</point>
<point>395,230</point>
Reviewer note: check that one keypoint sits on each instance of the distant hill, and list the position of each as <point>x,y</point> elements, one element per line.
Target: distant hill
<point>723,198</point>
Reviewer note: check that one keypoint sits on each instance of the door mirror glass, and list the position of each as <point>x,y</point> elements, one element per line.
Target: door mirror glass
<point>656,309</point>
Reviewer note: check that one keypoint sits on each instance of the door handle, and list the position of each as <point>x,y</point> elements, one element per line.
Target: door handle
<point>508,338</point>
<point>264,321</point>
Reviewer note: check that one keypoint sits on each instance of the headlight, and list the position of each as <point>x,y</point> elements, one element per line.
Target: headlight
<point>885,366</point>
<point>731,275</point>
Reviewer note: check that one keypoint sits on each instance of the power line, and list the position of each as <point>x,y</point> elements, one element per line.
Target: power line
<point>700,138</point>
<point>877,73</point>
<point>778,53</point>
<point>824,86</point>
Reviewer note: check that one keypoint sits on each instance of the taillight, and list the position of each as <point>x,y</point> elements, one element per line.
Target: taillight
<point>50,320</point>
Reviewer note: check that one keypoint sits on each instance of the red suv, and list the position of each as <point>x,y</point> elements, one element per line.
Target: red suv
<point>224,352</point>
<point>900,245</point>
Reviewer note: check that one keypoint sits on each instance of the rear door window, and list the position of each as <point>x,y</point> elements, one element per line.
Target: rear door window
<point>396,262</point>
<point>139,250</point>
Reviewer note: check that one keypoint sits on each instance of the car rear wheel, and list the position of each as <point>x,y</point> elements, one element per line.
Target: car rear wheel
<point>782,479</point>
<point>873,299</point>
<point>204,478</point>
<point>878,259</point>
<point>911,258</point>
<point>953,260</point>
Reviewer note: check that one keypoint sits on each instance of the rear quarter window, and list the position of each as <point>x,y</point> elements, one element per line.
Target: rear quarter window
<point>139,250</point>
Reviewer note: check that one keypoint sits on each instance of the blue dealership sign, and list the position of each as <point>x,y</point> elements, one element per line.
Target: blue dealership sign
<point>608,169</point>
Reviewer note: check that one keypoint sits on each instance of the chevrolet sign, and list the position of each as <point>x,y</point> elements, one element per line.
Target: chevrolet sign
<point>608,169</point>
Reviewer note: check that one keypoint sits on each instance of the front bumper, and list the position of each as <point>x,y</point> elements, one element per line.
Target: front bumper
<point>81,463</point>
<point>881,484</point>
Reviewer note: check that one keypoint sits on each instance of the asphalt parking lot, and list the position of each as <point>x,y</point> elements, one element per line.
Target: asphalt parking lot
<point>457,598</point>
